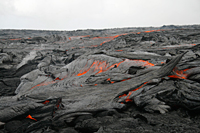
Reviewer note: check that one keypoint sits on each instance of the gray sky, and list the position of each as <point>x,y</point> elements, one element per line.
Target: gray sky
<point>96,14</point>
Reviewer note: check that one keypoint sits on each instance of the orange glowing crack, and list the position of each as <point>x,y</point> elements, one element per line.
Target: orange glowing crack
<point>45,83</point>
<point>30,117</point>
<point>49,82</point>
<point>145,63</point>
<point>114,81</point>
<point>79,74</point>
<point>125,79</point>
<point>129,100</point>
<point>179,74</point>
<point>100,66</point>
<point>110,81</point>
<point>108,37</point>
<point>45,102</point>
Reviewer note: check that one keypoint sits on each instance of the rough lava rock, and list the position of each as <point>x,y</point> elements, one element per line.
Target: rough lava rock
<point>111,80</point>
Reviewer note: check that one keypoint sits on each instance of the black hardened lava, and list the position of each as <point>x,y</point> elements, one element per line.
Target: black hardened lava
<point>121,80</point>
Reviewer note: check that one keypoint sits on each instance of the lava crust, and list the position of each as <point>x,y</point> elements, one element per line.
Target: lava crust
<point>111,80</point>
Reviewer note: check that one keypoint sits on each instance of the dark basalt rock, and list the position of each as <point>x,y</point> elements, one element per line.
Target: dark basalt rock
<point>112,80</point>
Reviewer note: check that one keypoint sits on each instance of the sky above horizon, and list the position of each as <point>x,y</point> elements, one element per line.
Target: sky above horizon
<point>93,14</point>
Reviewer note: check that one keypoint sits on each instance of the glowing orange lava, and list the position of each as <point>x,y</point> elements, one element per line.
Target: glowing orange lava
<point>129,100</point>
<point>110,81</point>
<point>179,74</point>
<point>107,37</point>
<point>125,79</point>
<point>45,102</point>
<point>49,82</point>
<point>100,66</point>
<point>30,117</point>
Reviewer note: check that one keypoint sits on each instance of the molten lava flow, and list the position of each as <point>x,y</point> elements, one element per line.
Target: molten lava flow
<point>143,63</point>
<point>129,100</point>
<point>125,79</point>
<point>30,117</point>
<point>45,83</point>
<point>104,42</point>
<point>102,66</point>
<point>99,67</point>
<point>110,81</point>
<point>49,82</point>
<point>122,95</point>
<point>79,74</point>
<point>57,78</point>
<point>179,74</point>
<point>45,102</point>
<point>107,37</point>
<point>16,39</point>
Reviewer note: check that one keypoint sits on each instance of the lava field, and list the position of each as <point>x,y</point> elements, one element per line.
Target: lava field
<point>122,80</point>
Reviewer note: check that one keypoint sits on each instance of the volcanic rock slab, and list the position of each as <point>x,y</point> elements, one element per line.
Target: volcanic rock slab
<point>115,80</point>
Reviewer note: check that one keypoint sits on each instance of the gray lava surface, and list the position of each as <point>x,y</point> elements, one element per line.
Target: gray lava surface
<point>105,81</point>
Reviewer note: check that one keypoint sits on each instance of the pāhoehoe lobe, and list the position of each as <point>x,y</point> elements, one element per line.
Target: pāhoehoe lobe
<point>111,80</point>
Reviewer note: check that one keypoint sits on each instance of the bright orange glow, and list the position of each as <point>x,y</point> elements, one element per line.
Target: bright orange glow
<point>45,102</point>
<point>107,37</point>
<point>104,42</point>
<point>79,74</point>
<point>99,67</point>
<point>49,82</point>
<point>95,84</point>
<point>129,100</point>
<point>102,66</point>
<point>179,74</point>
<point>110,81</point>
<point>125,79</point>
<point>57,78</point>
<point>30,117</point>
<point>122,95</point>
<point>45,83</point>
